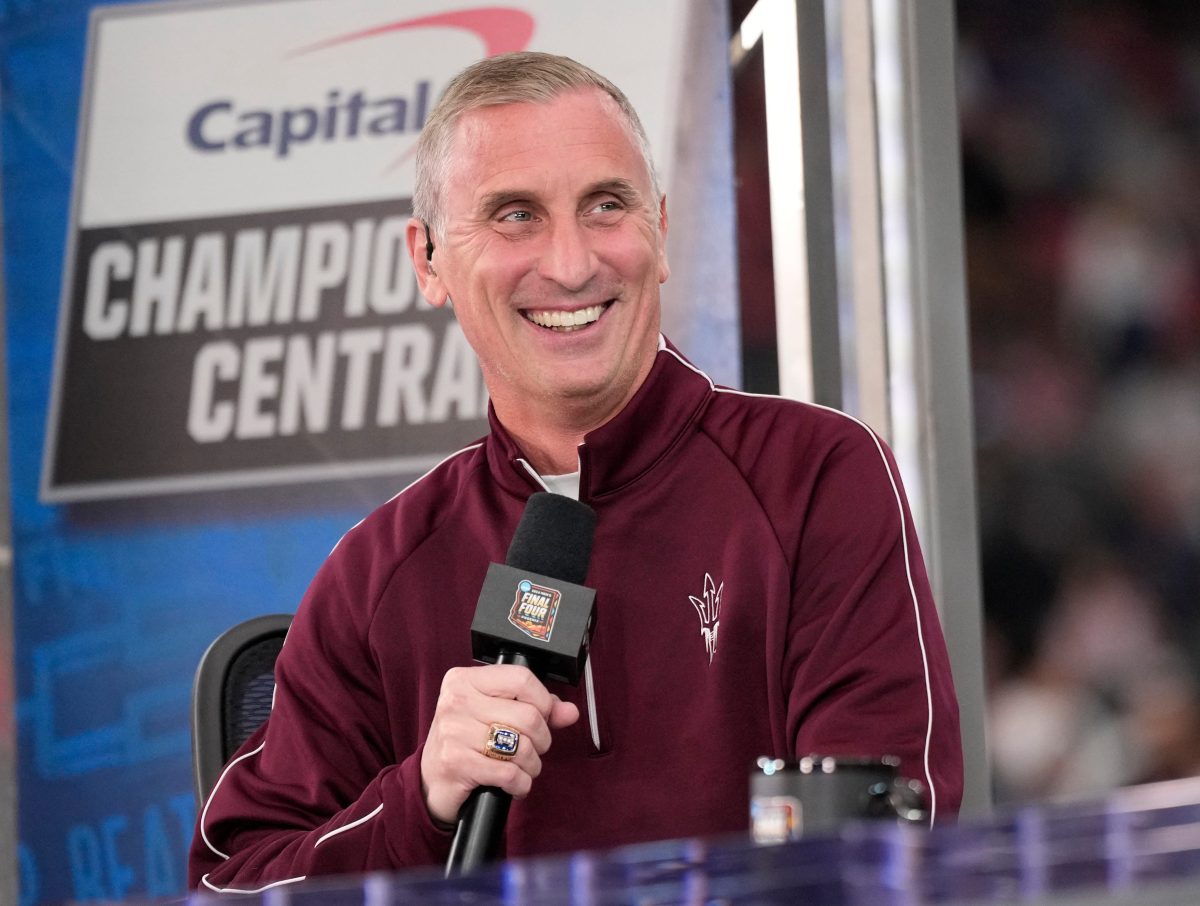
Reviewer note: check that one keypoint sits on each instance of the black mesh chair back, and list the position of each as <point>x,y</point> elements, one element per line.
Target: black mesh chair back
<point>231,694</point>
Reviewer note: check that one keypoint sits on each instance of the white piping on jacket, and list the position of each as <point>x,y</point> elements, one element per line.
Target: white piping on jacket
<point>352,824</point>
<point>207,883</point>
<point>904,543</point>
<point>536,477</point>
<point>217,786</point>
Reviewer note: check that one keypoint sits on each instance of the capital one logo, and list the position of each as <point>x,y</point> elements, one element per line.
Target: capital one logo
<point>223,124</point>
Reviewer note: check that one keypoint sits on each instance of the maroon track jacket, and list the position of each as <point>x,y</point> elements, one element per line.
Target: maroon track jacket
<point>760,591</point>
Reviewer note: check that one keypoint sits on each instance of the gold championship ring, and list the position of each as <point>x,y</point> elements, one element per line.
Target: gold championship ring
<point>502,742</point>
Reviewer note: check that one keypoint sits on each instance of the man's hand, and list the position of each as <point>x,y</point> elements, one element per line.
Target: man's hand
<point>472,699</point>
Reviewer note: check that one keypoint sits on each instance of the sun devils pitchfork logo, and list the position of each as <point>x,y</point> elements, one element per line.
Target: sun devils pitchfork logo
<point>709,610</point>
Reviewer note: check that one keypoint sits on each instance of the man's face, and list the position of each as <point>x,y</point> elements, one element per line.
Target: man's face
<point>553,254</point>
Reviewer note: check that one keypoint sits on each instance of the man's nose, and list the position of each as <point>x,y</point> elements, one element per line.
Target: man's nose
<point>567,257</point>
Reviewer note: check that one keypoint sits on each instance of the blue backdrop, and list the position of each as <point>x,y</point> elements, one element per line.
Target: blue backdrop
<point>114,601</point>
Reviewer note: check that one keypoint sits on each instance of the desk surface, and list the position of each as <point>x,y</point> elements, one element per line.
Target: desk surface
<point>1140,845</point>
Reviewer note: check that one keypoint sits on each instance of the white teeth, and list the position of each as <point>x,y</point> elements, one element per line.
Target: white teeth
<point>566,320</point>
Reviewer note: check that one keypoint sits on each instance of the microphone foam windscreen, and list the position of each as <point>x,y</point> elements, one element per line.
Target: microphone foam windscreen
<point>554,538</point>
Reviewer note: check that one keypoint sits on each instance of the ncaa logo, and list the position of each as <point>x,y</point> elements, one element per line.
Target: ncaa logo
<point>534,610</point>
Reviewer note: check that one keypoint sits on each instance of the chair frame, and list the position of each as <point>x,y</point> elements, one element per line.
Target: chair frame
<point>209,753</point>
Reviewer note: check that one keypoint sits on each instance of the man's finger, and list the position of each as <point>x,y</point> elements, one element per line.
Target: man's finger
<point>507,681</point>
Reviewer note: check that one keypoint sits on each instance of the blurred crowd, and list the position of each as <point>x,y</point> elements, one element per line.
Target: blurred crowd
<point>1081,138</point>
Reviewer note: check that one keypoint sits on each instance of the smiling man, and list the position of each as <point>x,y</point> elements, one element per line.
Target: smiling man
<point>760,589</point>
<point>552,242</point>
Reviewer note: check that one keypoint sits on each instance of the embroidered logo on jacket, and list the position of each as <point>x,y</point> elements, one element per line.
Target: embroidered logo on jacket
<point>534,610</point>
<point>709,610</point>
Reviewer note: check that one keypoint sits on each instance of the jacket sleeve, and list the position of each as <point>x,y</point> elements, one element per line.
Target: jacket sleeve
<point>867,666</point>
<point>320,788</point>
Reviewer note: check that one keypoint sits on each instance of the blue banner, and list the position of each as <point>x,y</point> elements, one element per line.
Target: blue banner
<point>114,600</point>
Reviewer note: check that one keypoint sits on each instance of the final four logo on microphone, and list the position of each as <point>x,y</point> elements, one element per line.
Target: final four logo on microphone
<point>534,610</point>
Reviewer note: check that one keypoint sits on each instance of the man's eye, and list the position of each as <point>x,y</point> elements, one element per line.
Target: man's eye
<point>611,206</point>
<point>517,217</point>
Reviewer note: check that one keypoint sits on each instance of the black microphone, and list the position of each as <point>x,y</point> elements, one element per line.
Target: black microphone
<point>532,612</point>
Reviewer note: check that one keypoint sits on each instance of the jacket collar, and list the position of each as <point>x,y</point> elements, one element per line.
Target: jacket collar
<point>665,407</point>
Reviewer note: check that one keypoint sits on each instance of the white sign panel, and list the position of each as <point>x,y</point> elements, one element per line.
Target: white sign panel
<point>237,306</point>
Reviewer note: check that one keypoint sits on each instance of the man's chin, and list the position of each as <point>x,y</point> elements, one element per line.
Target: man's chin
<point>579,392</point>
<point>596,400</point>
<point>573,386</point>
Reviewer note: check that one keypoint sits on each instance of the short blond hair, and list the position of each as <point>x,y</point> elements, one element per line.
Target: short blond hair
<point>511,78</point>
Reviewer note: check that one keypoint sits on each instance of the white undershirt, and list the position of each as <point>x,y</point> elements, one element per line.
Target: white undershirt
<point>567,485</point>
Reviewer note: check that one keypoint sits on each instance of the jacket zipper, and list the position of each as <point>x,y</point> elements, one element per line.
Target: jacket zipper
<point>589,693</point>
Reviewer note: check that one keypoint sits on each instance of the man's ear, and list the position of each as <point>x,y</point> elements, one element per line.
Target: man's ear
<point>422,253</point>
<point>664,268</point>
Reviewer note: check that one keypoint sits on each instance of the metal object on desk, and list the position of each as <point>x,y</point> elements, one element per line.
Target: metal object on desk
<point>819,793</point>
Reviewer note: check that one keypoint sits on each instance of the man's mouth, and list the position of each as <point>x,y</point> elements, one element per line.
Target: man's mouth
<point>566,321</point>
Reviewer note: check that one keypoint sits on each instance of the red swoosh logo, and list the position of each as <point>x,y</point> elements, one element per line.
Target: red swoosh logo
<point>501,29</point>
